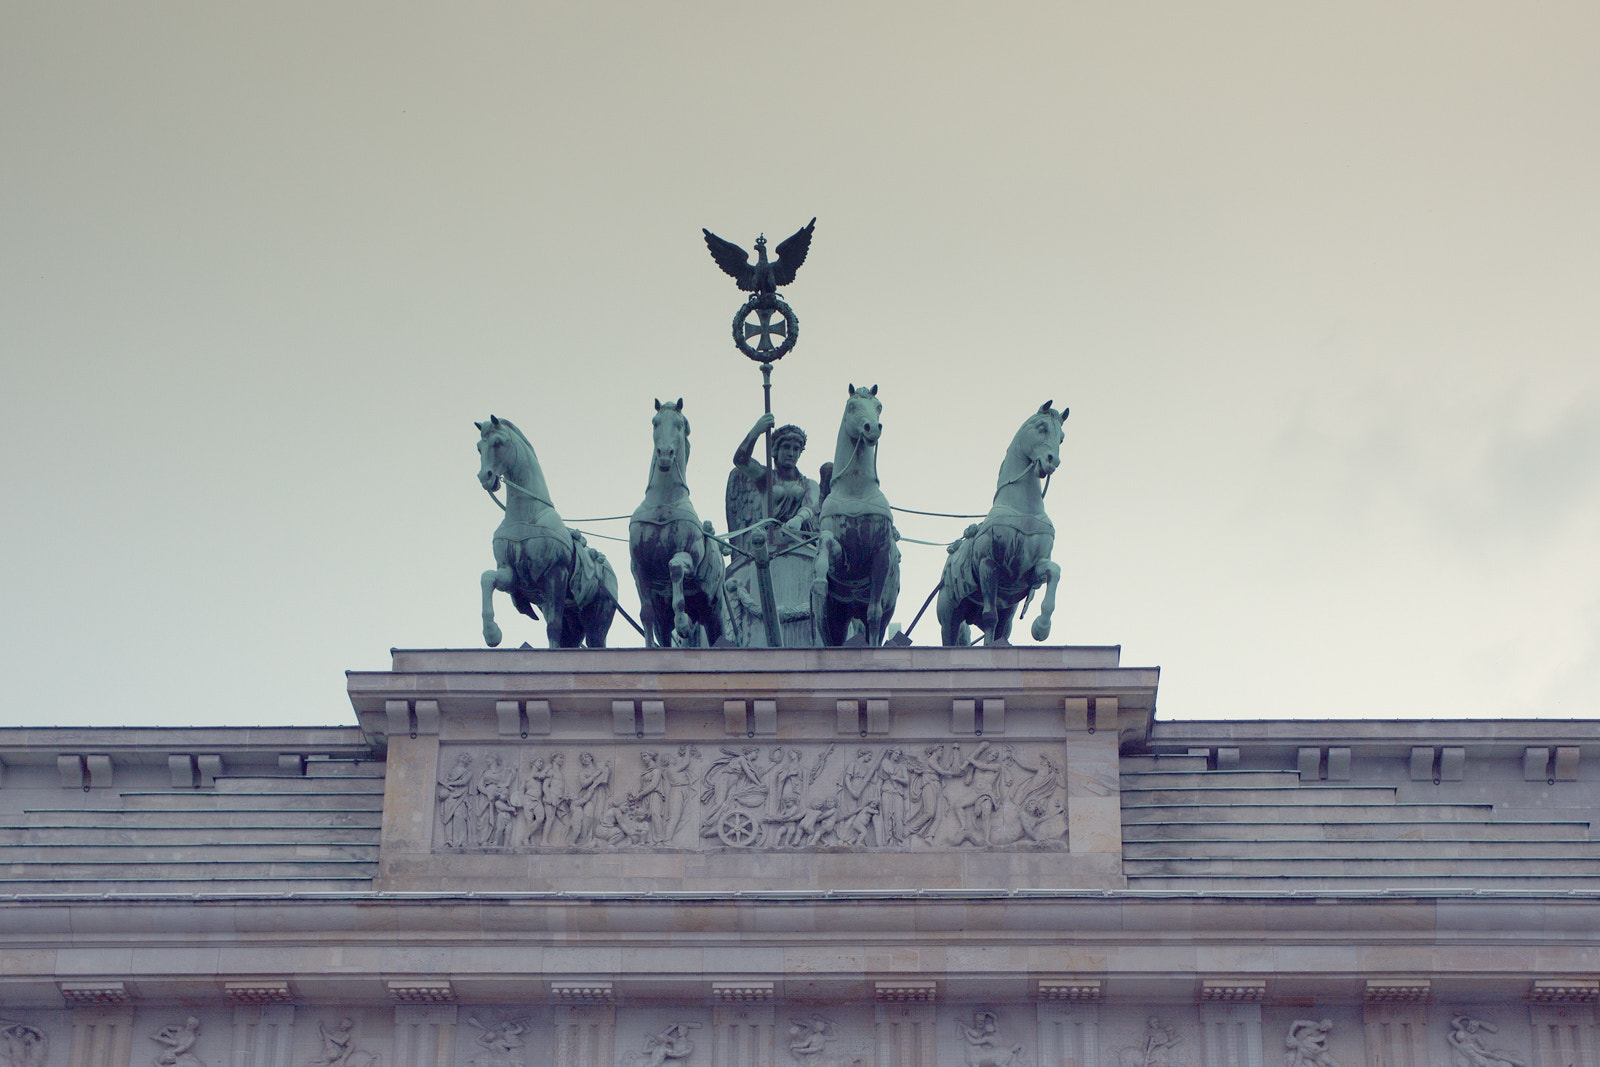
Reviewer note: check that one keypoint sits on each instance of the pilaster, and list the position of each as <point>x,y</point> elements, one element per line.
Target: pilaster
<point>586,1035</point>
<point>1395,1017</point>
<point>101,1037</point>
<point>1068,1034</point>
<point>1232,1034</point>
<point>903,1034</point>
<point>742,1035</point>
<point>263,1035</point>
<point>424,1035</point>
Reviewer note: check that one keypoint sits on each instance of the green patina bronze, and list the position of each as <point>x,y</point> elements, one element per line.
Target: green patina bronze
<point>1007,556</point>
<point>795,501</point>
<point>857,575</point>
<point>538,561</point>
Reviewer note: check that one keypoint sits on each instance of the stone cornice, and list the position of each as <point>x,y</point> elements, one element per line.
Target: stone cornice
<point>471,683</point>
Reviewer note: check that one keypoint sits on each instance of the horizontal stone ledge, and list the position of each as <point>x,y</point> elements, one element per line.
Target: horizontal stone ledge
<point>610,898</point>
<point>1116,991</point>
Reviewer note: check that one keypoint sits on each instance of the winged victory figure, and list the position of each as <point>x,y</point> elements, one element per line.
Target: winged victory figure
<point>763,276</point>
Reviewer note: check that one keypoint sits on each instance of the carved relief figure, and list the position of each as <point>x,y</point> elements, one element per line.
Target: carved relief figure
<point>557,803</point>
<point>985,1048</point>
<point>1467,1048</point>
<point>673,1043</point>
<point>22,1045</point>
<point>594,792</point>
<point>766,797</point>
<point>179,1042</point>
<point>501,1041</point>
<point>454,809</point>
<point>529,800</point>
<point>1156,1048</point>
<point>809,1040</point>
<point>1307,1044</point>
<point>678,776</point>
<point>339,1047</point>
<point>492,807</point>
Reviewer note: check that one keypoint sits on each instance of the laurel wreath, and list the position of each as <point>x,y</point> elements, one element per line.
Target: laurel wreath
<point>765,301</point>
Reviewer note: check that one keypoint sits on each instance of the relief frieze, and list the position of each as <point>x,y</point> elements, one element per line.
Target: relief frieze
<point>801,796</point>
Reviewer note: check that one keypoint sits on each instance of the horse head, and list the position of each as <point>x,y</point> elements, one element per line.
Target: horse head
<point>497,451</point>
<point>863,415</point>
<point>671,432</point>
<point>1037,443</point>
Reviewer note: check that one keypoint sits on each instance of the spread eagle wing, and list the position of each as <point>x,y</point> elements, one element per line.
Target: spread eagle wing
<point>734,260</point>
<point>791,253</point>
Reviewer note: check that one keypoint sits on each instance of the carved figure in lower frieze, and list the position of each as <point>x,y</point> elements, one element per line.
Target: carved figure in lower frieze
<point>1156,1050</point>
<point>22,1045</point>
<point>180,1042</point>
<point>557,803</point>
<point>1307,1044</point>
<point>1467,1048</point>
<point>501,1042</point>
<point>594,793</point>
<point>625,823</point>
<point>673,1043</point>
<point>454,808</point>
<point>677,775</point>
<point>798,796</point>
<point>339,1047</point>
<point>985,1047</point>
<point>809,1040</point>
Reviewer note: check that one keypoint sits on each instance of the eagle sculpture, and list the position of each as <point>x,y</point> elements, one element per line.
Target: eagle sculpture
<point>761,276</point>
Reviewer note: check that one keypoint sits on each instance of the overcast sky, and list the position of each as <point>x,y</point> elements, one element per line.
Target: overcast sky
<point>1318,283</point>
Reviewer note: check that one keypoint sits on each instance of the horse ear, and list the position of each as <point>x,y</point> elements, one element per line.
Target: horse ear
<point>851,389</point>
<point>658,403</point>
<point>680,404</point>
<point>494,420</point>
<point>1064,413</point>
<point>874,388</point>
<point>479,425</point>
<point>1044,409</point>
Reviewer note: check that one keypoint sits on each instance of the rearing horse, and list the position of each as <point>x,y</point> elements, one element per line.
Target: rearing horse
<point>676,565</point>
<point>858,563</point>
<point>537,559</point>
<point>1007,556</point>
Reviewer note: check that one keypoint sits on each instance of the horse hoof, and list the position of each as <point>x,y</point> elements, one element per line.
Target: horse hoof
<point>491,634</point>
<point>1041,628</point>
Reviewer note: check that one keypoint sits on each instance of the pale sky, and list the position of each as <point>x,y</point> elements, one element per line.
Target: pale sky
<point>1318,282</point>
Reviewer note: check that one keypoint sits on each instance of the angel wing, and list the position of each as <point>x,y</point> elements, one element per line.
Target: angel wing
<point>744,503</point>
<point>735,261</point>
<point>791,253</point>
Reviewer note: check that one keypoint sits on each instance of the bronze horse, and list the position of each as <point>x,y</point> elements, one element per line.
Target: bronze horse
<point>677,566</point>
<point>1007,556</point>
<point>537,559</point>
<point>858,563</point>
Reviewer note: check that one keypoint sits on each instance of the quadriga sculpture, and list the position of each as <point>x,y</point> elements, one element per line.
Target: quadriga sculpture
<point>858,563</point>
<point>1007,556</point>
<point>676,565</point>
<point>537,559</point>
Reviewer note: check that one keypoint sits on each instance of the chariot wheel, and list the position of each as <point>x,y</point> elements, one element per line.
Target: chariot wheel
<point>737,829</point>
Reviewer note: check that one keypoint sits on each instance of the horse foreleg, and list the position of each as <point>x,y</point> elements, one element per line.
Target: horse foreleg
<point>876,616</point>
<point>679,568</point>
<point>1047,607</point>
<point>647,606</point>
<point>500,579</point>
<point>555,605</point>
<point>827,549</point>
<point>989,590</point>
